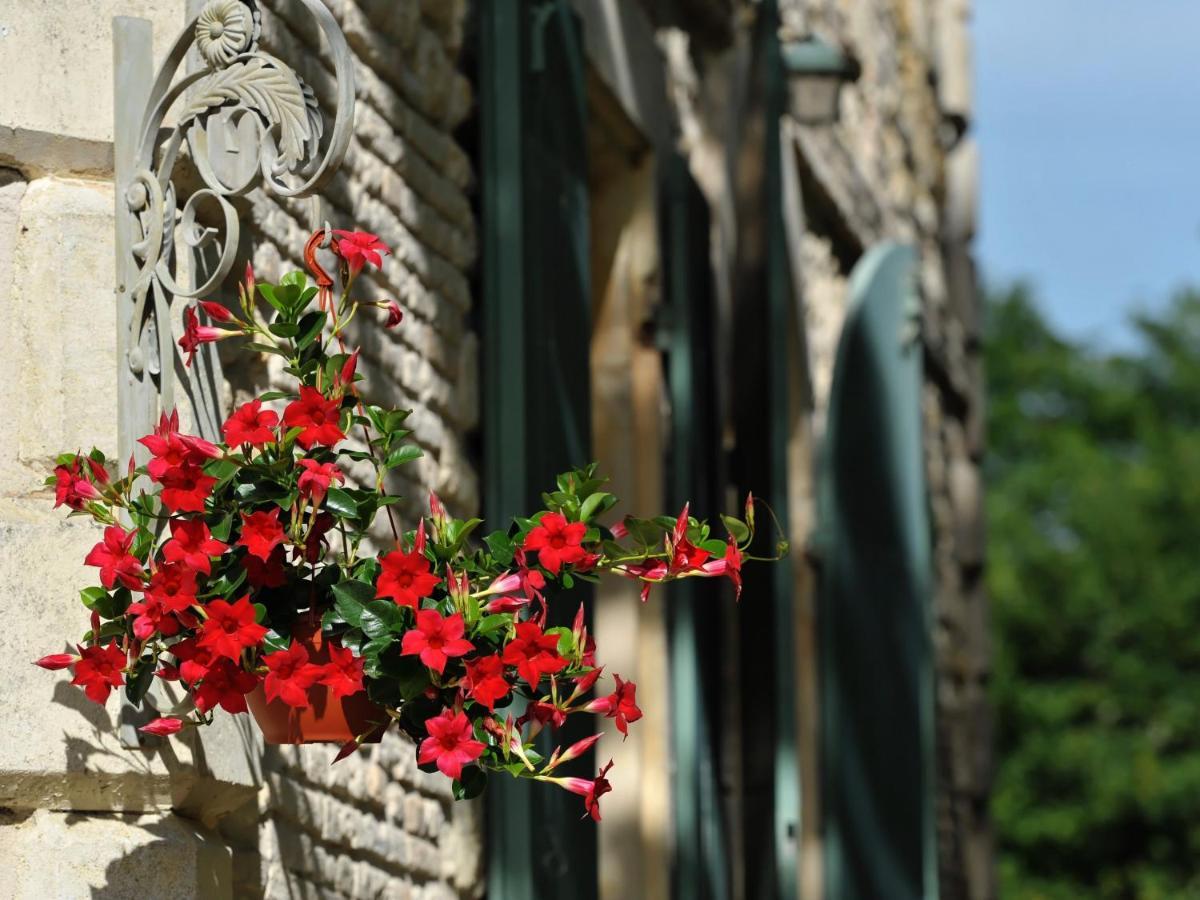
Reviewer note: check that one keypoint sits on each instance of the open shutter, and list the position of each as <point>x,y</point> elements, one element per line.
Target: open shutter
<point>699,868</point>
<point>536,385</point>
<point>873,544</point>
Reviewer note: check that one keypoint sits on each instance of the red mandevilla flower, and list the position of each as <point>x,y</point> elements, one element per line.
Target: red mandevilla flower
<point>451,744</point>
<point>152,616</point>
<point>173,585</point>
<point>261,533</point>
<point>620,705</point>
<point>185,488</point>
<point>195,334</point>
<point>224,684</point>
<point>405,578</point>
<point>116,563</point>
<point>360,247</point>
<point>99,670</point>
<point>72,488</point>
<point>435,639</point>
<point>265,573</point>
<point>290,675</point>
<point>192,544</point>
<point>533,653</point>
<point>395,315</point>
<point>250,424</point>
<point>485,680</point>
<point>591,789</point>
<point>316,416</point>
<point>231,628</point>
<point>343,674</point>
<point>556,541</point>
<point>317,478</point>
<point>194,660</point>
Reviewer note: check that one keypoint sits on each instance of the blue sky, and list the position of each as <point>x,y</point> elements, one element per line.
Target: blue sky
<point>1088,117</point>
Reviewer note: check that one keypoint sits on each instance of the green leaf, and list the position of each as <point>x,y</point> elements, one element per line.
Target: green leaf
<point>380,617</point>
<point>470,784</point>
<point>275,395</point>
<point>376,646</point>
<point>260,613</point>
<point>496,622</point>
<point>736,528</point>
<point>221,530</point>
<point>407,453</point>
<point>110,606</point>
<point>341,504</point>
<point>597,502</point>
<point>501,546</point>
<point>265,348</point>
<point>714,546</point>
<point>283,329</point>
<point>139,681</point>
<point>310,326</point>
<point>268,292</point>
<point>93,595</point>
<point>349,598</point>
<point>273,641</point>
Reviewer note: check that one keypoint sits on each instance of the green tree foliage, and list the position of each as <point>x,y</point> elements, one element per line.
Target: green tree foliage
<point>1094,512</point>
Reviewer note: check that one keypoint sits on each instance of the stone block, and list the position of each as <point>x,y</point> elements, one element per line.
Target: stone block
<point>121,857</point>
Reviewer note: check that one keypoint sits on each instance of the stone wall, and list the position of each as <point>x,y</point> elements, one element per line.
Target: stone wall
<point>216,815</point>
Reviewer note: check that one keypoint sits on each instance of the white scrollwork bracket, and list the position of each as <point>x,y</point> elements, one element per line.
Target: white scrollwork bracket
<point>245,121</point>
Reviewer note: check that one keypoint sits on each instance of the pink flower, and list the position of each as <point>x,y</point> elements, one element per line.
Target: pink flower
<point>435,639</point>
<point>114,559</point>
<point>360,247</point>
<point>450,743</point>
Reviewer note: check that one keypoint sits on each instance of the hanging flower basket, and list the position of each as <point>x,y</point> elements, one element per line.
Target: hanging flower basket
<point>248,570</point>
<point>328,717</point>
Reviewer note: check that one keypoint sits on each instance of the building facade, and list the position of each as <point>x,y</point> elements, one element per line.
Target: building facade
<point>617,236</point>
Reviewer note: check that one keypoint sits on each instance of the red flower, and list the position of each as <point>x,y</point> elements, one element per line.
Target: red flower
<point>171,450</point>
<point>317,478</point>
<point>216,311</point>
<point>730,564</point>
<point>269,573</point>
<point>395,315</point>
<point>533,653</point>
<point>194,659</point>
<point>56,661</point>
<point>114,559</point>
<point>450,744</point>
<point>99,670</point>
<point>343,674</point>
<point>317,416</point>
<point>556,541</point>
<point>225,684</point>
<point>173,585</point>
<point>152,616</point>
<point>591,790</point>
<point>290,675</point>
<point>621,705</point>
<point>250,424</point>
<point>315,544</point>
<point>543,713</point>
<point>685,556</point>
<point>163,727</point>
<point>195,334</point>
<point>359,247</point>
<point>185,488</point>
<point>261,533</point>
<point>72,488</point>
<point>230,628</point>
<point>192,544</point>
<point>405,577</point>
<point>485,680</point>
<point>435,639</point>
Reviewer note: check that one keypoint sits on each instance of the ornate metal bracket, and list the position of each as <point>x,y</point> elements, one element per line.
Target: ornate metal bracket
<point>246,121</point>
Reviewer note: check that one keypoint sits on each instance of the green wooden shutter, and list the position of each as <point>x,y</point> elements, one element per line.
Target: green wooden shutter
<point>873,544</point>
<point>699,867</point>
<point>536,329</point>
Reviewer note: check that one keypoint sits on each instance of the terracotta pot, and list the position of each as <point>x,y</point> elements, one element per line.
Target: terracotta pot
<point>327,719</point>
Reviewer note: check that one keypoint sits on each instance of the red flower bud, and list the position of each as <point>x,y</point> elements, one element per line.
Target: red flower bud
<point>347,373</point>
<point>56,661</point>
<point>216,311</point>
<point>163,727</point>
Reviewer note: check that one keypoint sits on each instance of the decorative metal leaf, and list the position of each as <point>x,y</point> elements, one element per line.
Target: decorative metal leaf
<point>273,93</point>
